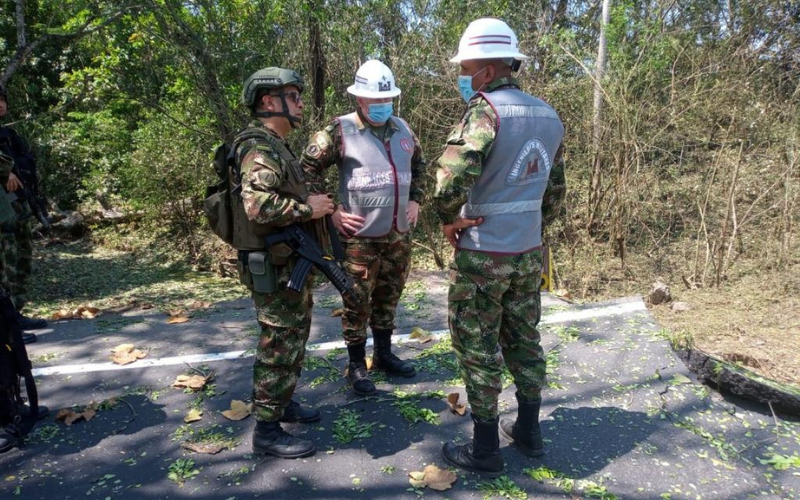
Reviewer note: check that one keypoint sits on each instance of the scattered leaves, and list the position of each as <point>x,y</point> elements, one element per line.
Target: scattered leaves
<point>200,304</point>
<point>239,410</point>
<point>81,312</point>
<point>194,415</point>
<point>174,320</point>
<point>455,406</point>
<point>193,382</point>
<point>432,477</point>
<point>337,312</point>
<point>126,353</point>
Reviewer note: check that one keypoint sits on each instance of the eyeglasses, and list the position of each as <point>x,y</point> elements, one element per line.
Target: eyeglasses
<point>294,96</point>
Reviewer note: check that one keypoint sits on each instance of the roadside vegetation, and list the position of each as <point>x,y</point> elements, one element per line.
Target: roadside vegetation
<point>686,170</point>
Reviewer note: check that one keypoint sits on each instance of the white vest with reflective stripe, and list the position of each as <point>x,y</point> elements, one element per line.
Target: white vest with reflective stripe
<point>508,193</point>
<point>375,177</point>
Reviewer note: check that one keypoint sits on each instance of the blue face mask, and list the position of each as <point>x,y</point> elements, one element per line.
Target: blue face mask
<point>380,112</point>
<point>465,85</point>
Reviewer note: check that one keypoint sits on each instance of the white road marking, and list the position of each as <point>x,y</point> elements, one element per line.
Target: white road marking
<point>559,317</point>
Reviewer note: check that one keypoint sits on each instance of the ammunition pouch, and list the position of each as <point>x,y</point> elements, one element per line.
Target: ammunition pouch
<point>257,273</point>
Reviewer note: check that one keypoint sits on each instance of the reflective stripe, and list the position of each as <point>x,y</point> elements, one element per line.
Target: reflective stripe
<point>371,201</point>
<point>377,180</point>
<point>511,207</point>
<point>523,111</point>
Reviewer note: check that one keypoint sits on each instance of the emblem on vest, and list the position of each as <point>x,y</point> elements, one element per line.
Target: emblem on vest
<point>407,146</point>
<point>384,85</point>
<point>532,164</point>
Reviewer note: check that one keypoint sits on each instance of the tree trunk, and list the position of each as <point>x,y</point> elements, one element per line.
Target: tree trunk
<point>597,121</point>
<point>318,63</point>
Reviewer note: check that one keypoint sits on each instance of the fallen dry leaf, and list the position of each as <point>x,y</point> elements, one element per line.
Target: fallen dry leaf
<point>417,479</point>
<point>439,479</point>
<point>70,416</point>
<point>126,353</point>
<point>193,416</point>
<point>177,319</point>
<point>81,312</point>
<point>421,335</point>
<point>199,304</point>
<point>455,406</point>
<point>193,382</point>
<point>210,448</point>
<point>337,312</point>
<point>564,294</point>
<point>239,410</point>
<point>432,477</point>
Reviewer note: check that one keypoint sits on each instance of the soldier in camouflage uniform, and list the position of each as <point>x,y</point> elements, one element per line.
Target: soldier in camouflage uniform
<point>17,235</point>
<point>273,194</point>
<point>495,187</point>
<point>381,169</point>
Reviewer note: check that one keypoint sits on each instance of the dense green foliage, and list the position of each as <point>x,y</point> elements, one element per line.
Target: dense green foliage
<point>700,130</point>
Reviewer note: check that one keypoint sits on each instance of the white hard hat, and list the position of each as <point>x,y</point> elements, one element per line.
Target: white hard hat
<point>488,38</point>
<point>374,80</point>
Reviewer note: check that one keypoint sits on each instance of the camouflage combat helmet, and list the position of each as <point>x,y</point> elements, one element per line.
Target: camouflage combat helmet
<point>271,78</point>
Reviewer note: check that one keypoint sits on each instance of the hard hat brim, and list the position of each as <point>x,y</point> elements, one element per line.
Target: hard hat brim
<point>496,55</point>
<point>372,95</point>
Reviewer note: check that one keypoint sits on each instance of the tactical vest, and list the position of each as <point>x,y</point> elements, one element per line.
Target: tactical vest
<point>375,177</point>
<point>248,235</point>
<point>508,193</point>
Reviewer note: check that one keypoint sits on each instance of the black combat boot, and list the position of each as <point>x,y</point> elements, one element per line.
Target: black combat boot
<point>26,323</point>
<point>357,375</point>
<point>384,359</point>
<point>296,413</point>
<point>270,439</point>
<point>525,432</point>
<point>482,455</point>
<point>9,438</point>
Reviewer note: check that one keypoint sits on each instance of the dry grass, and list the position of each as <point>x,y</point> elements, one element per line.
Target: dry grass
<point>753,320</point>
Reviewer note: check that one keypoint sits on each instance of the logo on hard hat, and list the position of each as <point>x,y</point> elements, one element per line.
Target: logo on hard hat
<point>384,85</point>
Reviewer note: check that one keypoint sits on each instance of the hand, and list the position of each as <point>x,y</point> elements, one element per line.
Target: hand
<point>412,213</point>
<point>453,231</point>
<point>13,183</point>
<point>346,223</point>
<point>320,204</point>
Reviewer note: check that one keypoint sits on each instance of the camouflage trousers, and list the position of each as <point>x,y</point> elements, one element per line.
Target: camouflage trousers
<point>494,307</point>
<point>18,252</point>
<point>379,270</point>
<point>285,321</point>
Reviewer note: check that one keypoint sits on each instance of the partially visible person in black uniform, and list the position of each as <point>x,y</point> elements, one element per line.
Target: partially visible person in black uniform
<point>21,189</point>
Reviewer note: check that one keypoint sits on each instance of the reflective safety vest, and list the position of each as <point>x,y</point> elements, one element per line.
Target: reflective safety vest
<point>375,176</point>
<point>508,193</point>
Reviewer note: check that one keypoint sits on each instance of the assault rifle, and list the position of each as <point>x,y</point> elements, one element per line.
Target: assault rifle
<point>311,254</point>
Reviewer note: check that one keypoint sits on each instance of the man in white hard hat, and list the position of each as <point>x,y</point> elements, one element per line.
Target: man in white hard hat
<point>381,169</point>
<point>498,181</point>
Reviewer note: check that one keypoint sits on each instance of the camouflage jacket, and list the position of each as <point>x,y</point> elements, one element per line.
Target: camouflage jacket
<point>468,145</point>
<point>264,191</point>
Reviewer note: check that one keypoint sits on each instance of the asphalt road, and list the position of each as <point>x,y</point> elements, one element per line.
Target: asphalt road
<point>622,416</point>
